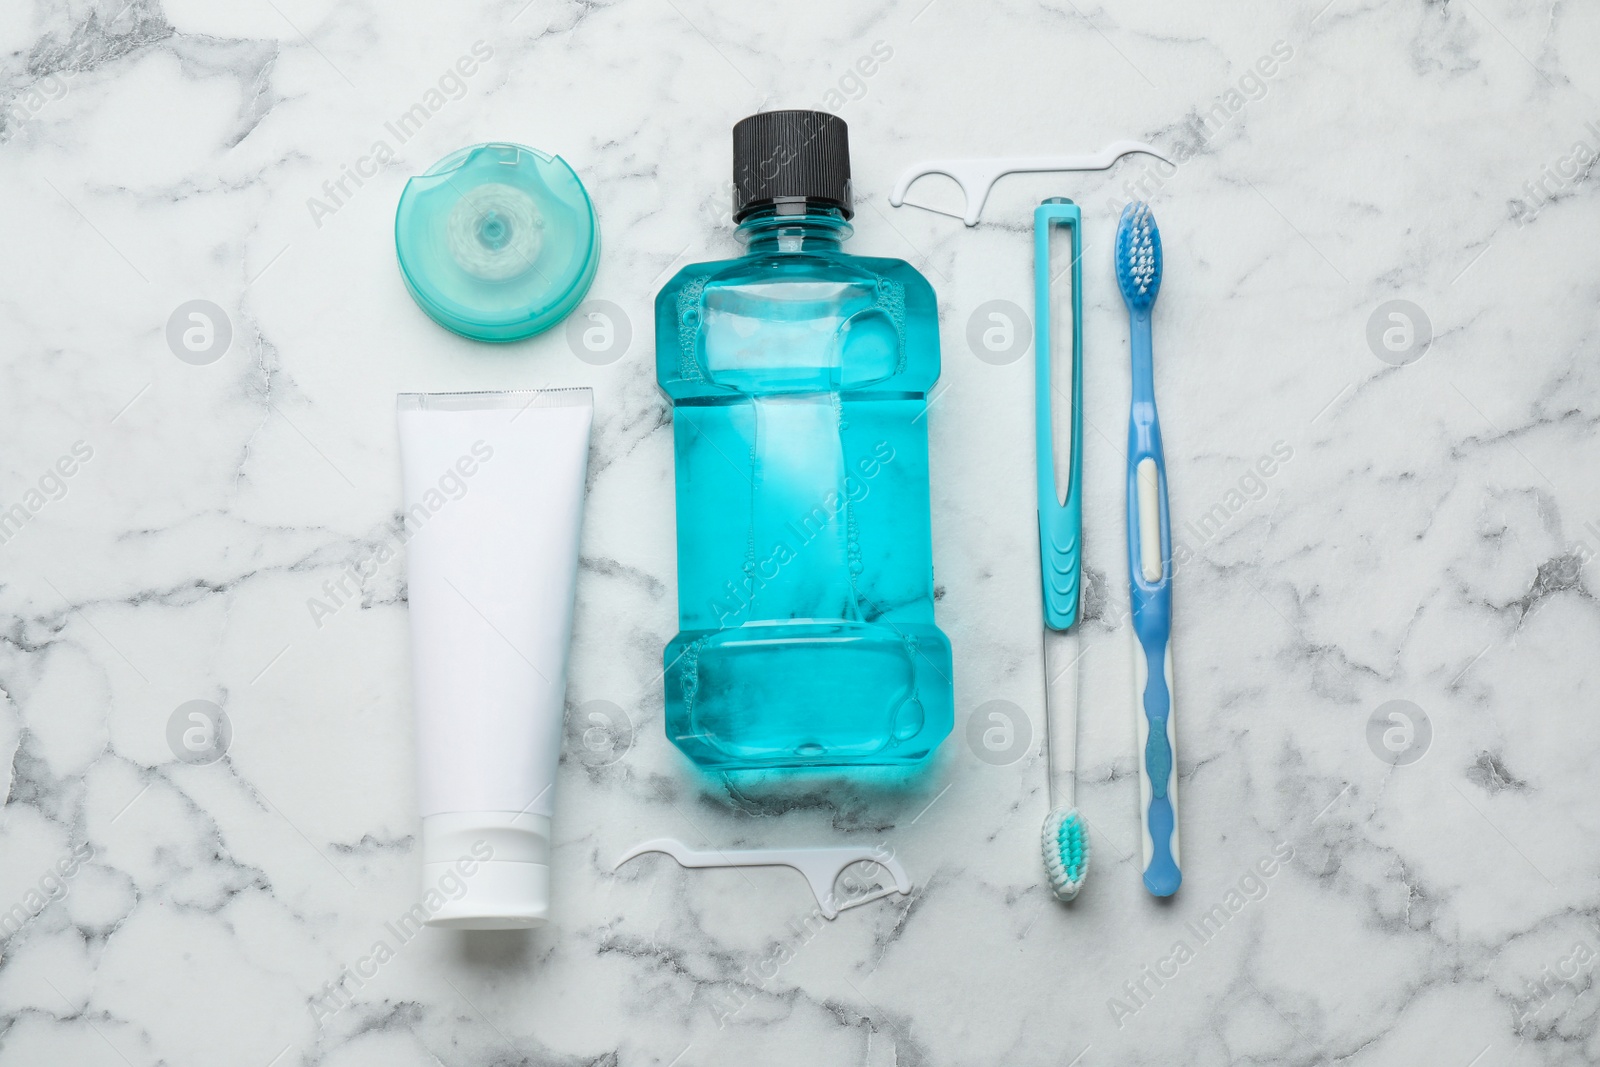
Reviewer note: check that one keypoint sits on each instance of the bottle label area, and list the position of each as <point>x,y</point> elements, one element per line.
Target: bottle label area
<point>804,543</point>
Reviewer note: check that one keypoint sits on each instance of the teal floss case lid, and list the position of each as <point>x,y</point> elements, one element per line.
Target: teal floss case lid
<point>497,241</point>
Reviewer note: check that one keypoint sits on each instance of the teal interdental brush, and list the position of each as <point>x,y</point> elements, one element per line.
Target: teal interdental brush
<point>1065,839</point>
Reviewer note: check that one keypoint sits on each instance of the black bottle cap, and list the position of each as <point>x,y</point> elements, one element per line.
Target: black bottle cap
<point>791,156</point>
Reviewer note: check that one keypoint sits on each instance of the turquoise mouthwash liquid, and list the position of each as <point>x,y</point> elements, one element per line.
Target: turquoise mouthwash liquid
<point>799,378</point>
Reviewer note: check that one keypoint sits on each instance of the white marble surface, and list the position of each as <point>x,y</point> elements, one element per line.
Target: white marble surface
<point>1429,540</point>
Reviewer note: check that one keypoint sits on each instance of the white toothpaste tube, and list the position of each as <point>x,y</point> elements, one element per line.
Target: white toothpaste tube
<point>493,505</point>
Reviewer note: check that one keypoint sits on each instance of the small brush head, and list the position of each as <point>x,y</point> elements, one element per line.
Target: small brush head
<point>1066,852</point>
<point>1138,256</point>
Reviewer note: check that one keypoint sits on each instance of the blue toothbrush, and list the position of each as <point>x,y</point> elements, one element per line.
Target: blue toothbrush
<point>1138,259</point>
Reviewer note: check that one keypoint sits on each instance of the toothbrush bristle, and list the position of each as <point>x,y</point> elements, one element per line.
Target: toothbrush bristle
<point>1066,852</point>
<point>1138,256</point>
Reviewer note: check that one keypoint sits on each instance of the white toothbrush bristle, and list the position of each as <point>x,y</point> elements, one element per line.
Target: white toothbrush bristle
<point>1138,255</point>
<point>1065,842</point>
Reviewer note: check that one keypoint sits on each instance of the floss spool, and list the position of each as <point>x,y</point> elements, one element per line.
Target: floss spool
<point>497,241</point>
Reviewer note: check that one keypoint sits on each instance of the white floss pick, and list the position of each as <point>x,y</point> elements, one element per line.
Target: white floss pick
<point>495,231</point>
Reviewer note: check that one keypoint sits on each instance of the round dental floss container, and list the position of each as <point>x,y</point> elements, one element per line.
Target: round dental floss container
<point>497,241</point>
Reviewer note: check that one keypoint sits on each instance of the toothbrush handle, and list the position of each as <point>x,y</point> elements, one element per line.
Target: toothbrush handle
<point>1158,779</point>
<point>1060,521</point>
<point>1150,592</point>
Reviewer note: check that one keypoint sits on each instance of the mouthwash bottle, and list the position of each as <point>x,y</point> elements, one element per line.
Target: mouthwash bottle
<point>799,377</point>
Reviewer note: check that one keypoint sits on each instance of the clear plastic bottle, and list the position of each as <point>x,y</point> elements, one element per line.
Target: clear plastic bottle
<point>799,377</point>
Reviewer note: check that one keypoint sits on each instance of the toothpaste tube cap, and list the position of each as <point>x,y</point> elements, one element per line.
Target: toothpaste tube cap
<point>485,870</point>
